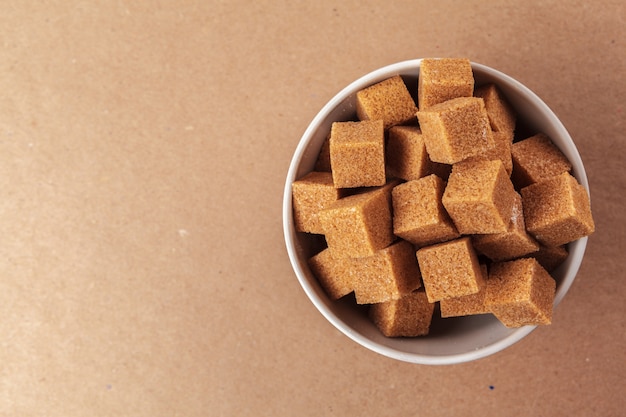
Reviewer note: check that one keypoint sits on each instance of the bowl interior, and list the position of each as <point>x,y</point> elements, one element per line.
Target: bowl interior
<point>451,340</point>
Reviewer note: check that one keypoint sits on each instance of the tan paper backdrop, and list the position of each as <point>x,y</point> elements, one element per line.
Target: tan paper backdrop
<point>143,151</point>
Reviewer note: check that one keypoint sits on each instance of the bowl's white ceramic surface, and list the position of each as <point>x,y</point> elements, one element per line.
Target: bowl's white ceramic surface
<point>451,340</point>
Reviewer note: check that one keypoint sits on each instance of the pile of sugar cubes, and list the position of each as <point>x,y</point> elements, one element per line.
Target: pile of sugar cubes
<point>440,205</point>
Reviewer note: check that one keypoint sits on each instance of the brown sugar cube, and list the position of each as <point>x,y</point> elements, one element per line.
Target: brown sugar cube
<point>389,274</point>
<point>557,210</point>
<point>444,79</point>
<point>520,293</point>
<point>335,275</point>
<point>358,225</point>
<point>479,197</point>
<point>311,194</point>
<point>450,269</point>
<point>384,189</point>
<point>501,150</point>
<point>406,153</point>
<point>322,164</point>
<point>466,305</point>
<point>513,243</point>
<point>388,100</point>
<point>409,316</point>
<point>418,214</point>
<point>455,129</point>
<point>550,257</point>
<point>501,114</point>
<point>535,159</point>
<point>357,154</point>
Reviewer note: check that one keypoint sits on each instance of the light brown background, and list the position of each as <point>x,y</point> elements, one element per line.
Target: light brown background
<point>143,151</point>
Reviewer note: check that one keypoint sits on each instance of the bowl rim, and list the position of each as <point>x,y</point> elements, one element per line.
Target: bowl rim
<point>291,236</point>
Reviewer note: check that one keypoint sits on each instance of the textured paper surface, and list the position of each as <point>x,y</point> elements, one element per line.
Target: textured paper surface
<point>143,151</point>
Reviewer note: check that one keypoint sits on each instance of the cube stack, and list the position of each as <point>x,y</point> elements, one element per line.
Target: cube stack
<point>440,202</point>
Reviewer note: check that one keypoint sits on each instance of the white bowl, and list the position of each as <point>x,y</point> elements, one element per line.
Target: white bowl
<point>451,340</point>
